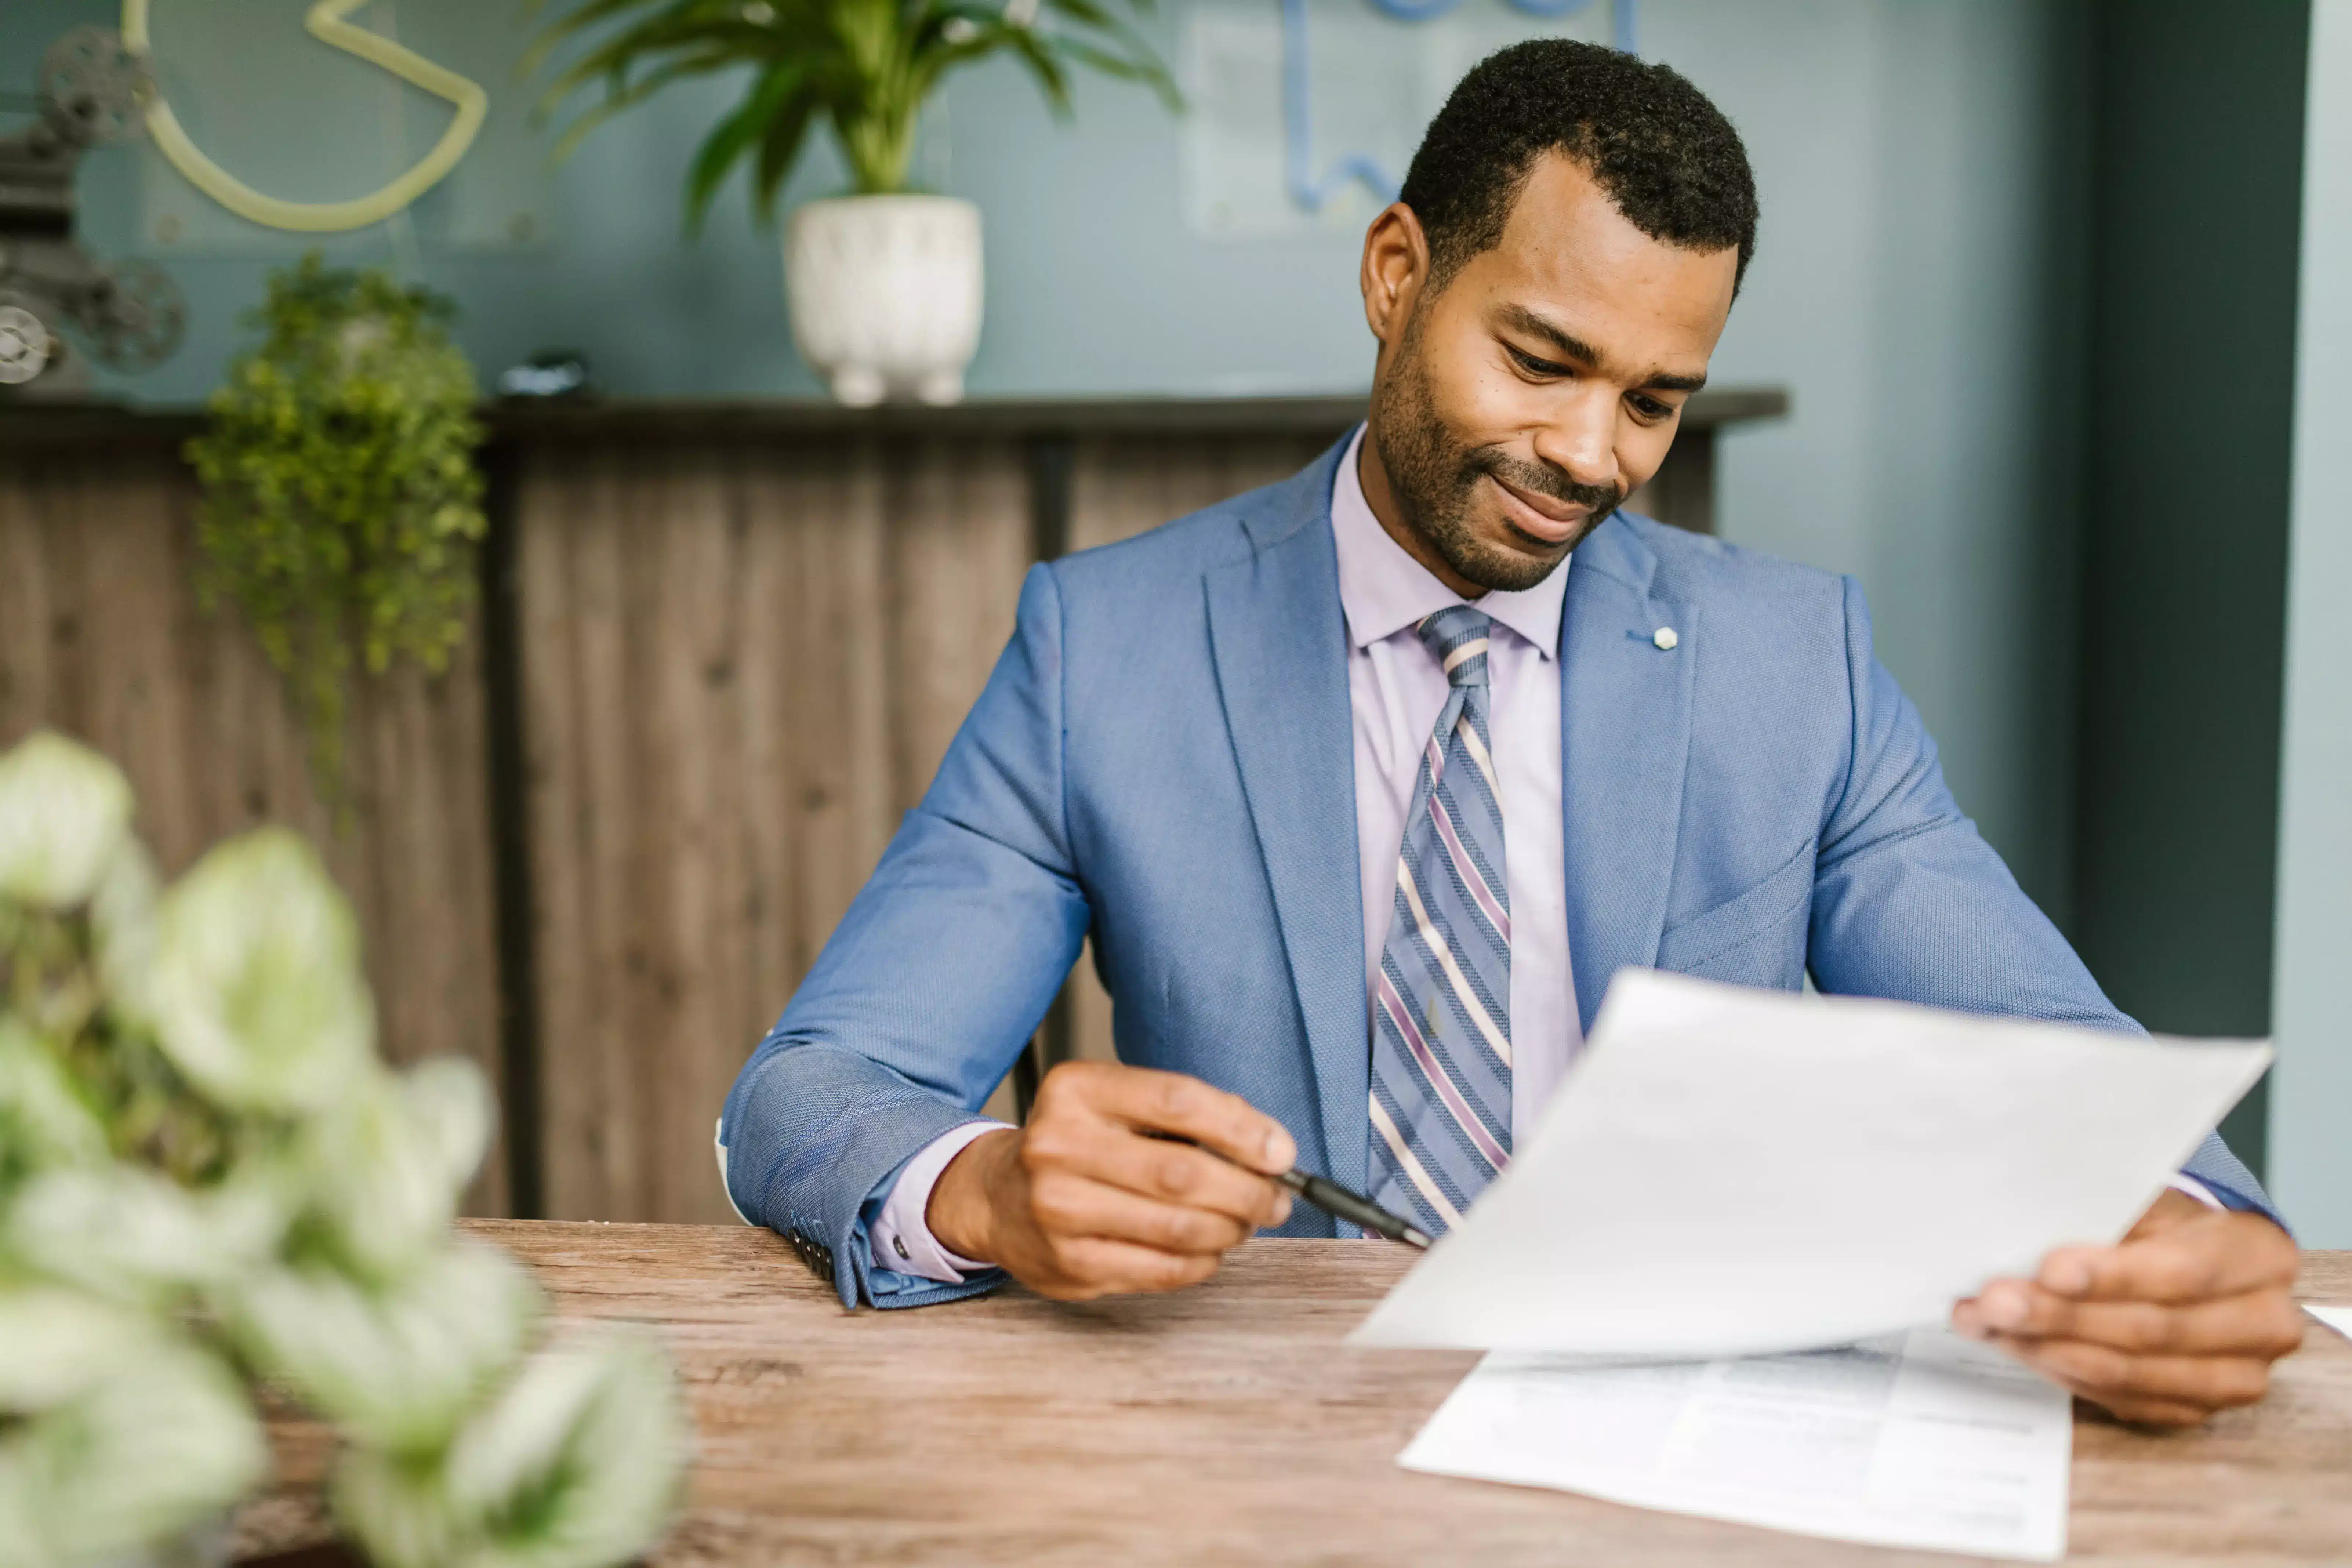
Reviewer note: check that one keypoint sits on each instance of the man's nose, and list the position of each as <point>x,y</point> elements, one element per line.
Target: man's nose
<point>1580,440</point>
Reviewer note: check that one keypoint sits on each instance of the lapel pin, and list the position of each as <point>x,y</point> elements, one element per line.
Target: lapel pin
<point>1664,637</point>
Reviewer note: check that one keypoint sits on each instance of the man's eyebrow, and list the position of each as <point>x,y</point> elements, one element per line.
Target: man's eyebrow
<point>1570,345</point>
<point>1573,347</point>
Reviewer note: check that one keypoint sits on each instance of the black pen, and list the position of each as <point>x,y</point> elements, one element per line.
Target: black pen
<point>1334,1199</point>
<point>1324,1193</point>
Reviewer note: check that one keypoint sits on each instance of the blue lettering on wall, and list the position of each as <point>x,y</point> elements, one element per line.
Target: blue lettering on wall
<point>1309,189</point>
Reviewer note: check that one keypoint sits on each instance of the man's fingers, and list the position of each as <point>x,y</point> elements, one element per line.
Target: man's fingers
<point>1088,1267</point>
<point>2171,1209</point>
<point>2109,1375</point>
<point>1071,1207</point>
<point>1150,1168</point>
<point>2217,1255</point>
<point>2264,1322</point>
<point>2181,1320</point>
<point>1174,1103</point>
<point>1102,1209</point>
<point>2146,1412</point>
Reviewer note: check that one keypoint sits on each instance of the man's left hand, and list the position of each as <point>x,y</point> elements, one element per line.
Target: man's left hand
<point>2182,1318</point>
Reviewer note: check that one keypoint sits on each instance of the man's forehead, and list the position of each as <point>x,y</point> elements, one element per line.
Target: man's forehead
<point>1568,256</point>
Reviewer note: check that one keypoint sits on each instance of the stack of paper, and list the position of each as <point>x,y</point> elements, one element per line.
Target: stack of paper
<point>1921,1440</point>
<point>1739,1174</point>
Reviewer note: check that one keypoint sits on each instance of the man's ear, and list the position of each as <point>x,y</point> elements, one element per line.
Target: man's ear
<point>1395,269</point>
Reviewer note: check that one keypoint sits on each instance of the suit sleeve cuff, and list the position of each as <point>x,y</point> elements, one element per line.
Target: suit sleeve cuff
<point>901,1234</point>
<point>2196,1189</point>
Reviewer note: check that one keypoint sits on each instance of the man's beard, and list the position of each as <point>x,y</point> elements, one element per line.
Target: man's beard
<point>1434,478</point>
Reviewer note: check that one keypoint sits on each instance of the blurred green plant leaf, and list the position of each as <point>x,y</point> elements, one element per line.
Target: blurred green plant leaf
<point>256,985</point>
<point>133,1235</point>
<point>164,1442</point>
<point>207,1175</point>
<point>395,1366</point>
<point>122,930</point>
<point>576,1464</point>
<point>45,1123</point>
<point>65,814</point>
<point>385,1167</point>
<point>55,1344</point>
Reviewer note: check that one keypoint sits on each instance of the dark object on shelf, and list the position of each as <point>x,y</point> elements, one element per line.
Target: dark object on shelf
<point>127,315</point>
<point>550,375</point>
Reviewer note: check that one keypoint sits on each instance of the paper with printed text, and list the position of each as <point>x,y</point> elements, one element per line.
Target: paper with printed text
<point>1922,1439</point>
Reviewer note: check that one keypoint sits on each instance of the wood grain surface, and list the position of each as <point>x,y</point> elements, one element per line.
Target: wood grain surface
<point>1228,1424</point>
<point>740,666</point>
<point>101,637</point>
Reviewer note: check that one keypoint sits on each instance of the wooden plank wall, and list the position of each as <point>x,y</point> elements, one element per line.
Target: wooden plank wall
<point>740,656</point>
<point>741,663</point>
<point>102,637</point>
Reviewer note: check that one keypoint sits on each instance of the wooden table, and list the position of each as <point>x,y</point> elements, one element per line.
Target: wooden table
<point>1228,1425</point>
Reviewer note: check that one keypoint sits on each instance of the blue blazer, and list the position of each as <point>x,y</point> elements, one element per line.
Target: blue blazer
<point>1163,757</point>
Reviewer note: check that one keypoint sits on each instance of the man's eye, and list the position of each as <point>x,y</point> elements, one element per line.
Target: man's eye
<point>1534,366</point>
<point>1649,408</point>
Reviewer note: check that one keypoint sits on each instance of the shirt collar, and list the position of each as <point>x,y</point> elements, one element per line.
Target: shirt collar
<point>1383,590</point>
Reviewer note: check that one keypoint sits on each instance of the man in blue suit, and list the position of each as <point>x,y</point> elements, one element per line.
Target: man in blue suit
<point>1366,783</point>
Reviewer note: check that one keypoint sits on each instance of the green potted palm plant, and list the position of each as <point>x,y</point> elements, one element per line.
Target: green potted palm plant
<point>885,281</point>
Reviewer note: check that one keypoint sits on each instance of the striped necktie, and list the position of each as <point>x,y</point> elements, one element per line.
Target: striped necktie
<point>1441,1101</point>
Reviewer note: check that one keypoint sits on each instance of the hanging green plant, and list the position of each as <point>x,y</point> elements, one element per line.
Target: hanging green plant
<point>341,505</point>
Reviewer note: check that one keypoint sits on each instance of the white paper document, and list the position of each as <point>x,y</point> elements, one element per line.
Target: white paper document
<point>1921,1439</point>
<point>2336,1317</point>
<point>1729,1172</point>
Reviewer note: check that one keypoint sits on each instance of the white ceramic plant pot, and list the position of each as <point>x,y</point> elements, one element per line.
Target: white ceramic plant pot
<point>885,294</point>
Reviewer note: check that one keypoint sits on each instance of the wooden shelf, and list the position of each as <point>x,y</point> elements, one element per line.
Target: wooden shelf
<point>49,426</point>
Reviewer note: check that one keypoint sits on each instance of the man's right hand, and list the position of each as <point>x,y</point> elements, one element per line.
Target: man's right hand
<point>1080,1203</point>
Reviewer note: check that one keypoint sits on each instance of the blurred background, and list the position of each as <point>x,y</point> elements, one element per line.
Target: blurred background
<point>2037,345</point>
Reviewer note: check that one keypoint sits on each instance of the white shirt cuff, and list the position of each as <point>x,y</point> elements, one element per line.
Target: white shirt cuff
<point>2198,1190</point>
<point>901,1235</point>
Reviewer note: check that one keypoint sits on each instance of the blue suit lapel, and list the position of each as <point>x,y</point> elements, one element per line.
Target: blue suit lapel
<point>1625,719</point>
<point>1281,647</point>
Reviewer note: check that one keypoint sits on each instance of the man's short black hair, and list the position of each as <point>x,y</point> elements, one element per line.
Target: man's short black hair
<point>1663,153</point>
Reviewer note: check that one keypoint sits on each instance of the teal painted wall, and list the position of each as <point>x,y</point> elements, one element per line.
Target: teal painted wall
<point>2192,405</point>
<point>2312,1096</point>
<point>1095,283</point>
<point>1919,285</point>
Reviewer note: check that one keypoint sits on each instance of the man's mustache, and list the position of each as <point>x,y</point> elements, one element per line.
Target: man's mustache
<point>1543,479</point>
